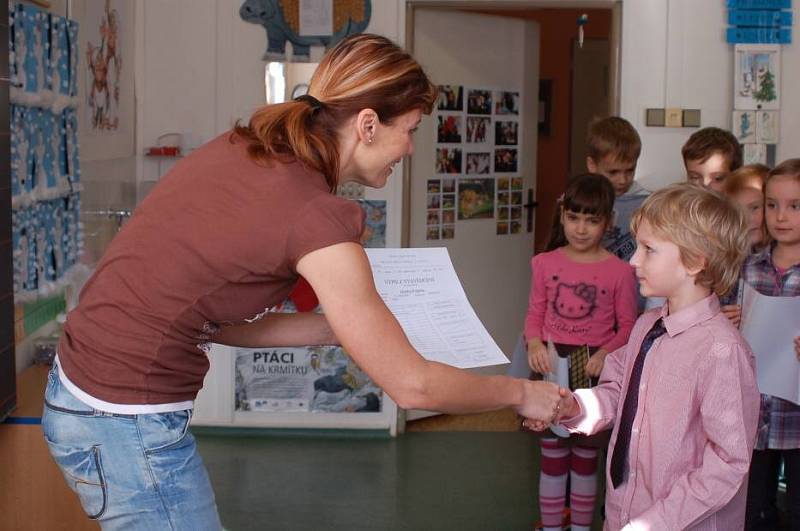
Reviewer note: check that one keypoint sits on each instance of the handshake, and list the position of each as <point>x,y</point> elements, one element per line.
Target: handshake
<point>545,403</point>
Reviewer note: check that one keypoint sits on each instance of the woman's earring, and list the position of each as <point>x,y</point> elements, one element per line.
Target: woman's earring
<point>369,140</point>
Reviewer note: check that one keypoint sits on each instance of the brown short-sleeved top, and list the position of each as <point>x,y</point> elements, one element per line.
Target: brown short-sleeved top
<point>215,243</point>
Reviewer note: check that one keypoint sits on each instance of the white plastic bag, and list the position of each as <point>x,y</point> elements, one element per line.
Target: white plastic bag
<point>559,376</point>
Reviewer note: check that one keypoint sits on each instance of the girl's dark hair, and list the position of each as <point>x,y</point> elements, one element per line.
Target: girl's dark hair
<point>588,193</point>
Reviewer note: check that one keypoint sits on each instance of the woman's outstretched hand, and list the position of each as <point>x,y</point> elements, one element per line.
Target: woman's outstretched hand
<point>566,407</point>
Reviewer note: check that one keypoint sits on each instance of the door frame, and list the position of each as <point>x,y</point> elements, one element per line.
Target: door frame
<point>615,47</point>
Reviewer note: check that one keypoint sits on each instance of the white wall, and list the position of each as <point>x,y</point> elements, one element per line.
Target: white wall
<point>200,68</point>
<point>674,54</point>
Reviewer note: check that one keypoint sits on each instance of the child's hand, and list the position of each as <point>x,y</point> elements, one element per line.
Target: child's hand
<point>567,407</point>
<point>538,358</point>
<point>733,312</point>
<point>797,347</point>
<point>595,364</point>
<point>535,425</point>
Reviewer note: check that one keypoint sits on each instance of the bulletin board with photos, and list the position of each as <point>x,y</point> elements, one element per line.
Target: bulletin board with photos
<point>475,174</point>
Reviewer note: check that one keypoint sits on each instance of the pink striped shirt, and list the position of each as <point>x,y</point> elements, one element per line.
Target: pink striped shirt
<point>695,424</point>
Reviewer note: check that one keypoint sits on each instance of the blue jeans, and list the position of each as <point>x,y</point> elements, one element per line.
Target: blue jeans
<point>129,471</point>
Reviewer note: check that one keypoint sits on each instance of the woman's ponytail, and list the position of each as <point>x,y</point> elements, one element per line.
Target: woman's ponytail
<point>361,72</point>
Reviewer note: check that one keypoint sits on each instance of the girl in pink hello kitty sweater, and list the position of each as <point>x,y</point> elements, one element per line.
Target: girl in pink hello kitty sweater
<point>581,296</point>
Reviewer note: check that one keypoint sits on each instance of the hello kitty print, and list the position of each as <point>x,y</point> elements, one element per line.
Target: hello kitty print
<point>575,302</point>
<point>581,303</point>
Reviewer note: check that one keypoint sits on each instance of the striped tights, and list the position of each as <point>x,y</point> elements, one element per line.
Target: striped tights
<point>556,462</point>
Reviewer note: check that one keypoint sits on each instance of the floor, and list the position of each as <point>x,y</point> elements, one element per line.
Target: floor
<point>430,478</point>
<point>460,472</point>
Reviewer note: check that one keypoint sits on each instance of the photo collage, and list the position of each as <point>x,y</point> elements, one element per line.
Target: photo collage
<point>477,159</point>
<point>509,205</point>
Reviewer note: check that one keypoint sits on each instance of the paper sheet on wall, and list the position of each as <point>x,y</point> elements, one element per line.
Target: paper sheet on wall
<point>421,289</point>
<point>316,17</point>
<point>770,325</point>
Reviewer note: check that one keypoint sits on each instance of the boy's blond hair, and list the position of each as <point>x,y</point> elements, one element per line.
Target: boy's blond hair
<point>613,136</point>
<point>709,230</point>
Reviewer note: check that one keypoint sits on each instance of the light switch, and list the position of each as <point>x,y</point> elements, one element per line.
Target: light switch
<point>654,118</point>
<point>691,117</point>
<point>673,117</point>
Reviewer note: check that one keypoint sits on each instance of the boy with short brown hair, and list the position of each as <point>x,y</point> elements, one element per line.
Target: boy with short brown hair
<point>614,149</point>
<point>710,155</point>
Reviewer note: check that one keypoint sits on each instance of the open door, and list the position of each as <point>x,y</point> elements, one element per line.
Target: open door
<point>590,95</point>
<point>485,55</point>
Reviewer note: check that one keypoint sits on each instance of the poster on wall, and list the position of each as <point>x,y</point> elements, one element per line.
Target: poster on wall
<point>106,42</point>
<point>451,98</point>
<point>757,77</point>
<point>767,130</point>
<point>744,126</point>
<point>506,103</point>
<point>479,102</point>
<point>505,160</point>
<point>308,379</point>
<point>754,154</point>
<point>476,129</point>
<point>374,235</point>
<point>475,198</point>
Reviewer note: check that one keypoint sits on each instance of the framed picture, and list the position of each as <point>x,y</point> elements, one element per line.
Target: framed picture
<point>451,98</point>
<point>757,76</point>
<point>476,129</point>
<point>106,49</point>
<point>448,160</point>
<point>767,127</point>
<point>744,126</point>
<point>479,101</point>
<point>478,163</point>
<point>450,129</point>
<point>506,102</point>
<point>755,154</point>
<point>475,198</point>
<point>505,160</point>
<point>506,133</point>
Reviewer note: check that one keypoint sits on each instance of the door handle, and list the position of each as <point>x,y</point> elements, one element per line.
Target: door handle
<point>529,207</point>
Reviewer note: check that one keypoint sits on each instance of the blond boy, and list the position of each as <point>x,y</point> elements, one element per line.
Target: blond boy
<point>681,395</point>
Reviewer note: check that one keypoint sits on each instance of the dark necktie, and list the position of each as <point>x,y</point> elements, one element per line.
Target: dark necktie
<point>620,455</point>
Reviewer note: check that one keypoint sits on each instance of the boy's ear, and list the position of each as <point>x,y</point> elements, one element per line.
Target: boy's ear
<point>591,165</point>
<point>696,266</point>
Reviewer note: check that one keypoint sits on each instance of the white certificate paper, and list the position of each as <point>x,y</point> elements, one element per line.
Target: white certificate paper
<point>421,289</point>
<point>770,325</point>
